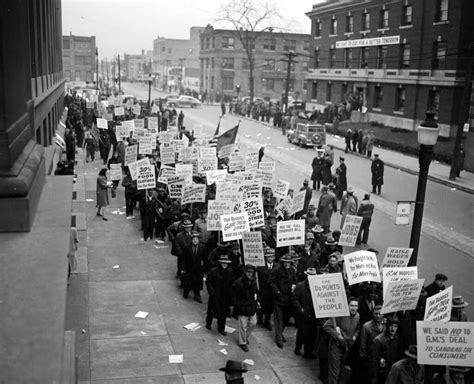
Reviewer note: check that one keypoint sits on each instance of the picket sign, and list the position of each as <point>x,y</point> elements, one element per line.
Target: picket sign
<point>194,193</point>
<point>290,232</point>
<point>350,230</point>
<point>438,307</point>
<point>361,266</point>
<point>328,295</point>
<point>233,225</point>
<point>398,274</point>
<point>146,177</point>
<point>216,208</point>
<point>253,248</point>
<point>115,172</point>
<point>402,295</point>
<point>130,154</point>
<point>397,257</point>
<point>254,208</point>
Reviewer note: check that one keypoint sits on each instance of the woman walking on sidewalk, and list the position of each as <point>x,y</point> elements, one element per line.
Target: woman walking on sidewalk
<point>102,193</point>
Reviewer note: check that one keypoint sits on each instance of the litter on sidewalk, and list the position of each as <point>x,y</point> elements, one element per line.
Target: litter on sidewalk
<point>141,315</point>
<point>192,327</point>
<point>223,351</point>
<point>249,362</point>
<point>175,359</point>
<point>221,342</point>
<point>229,329</point>
<point>116,266</point>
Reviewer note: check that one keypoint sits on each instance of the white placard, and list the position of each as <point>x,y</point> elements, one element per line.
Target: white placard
<point>119,111</point>
<point>185,171</point>
<point>251,161</point>
<point>403,214</point>
<point>186,154</point>
<point>139,123</point>
<point>398,274</point>
<point>290,232</point>
<point>298,202</point>
<point>165,137</point>
<point>396,257</point>
<point>136,109</point>
<point>122,131</point>
<point>167,171</point>
<point>175,187</point>
<point>253,248</point>
<point>329,295</point>
<point>233,225</point>
<point>146,144</point>
<point>254,209</point>
<point>226,150</point>
<point>194,193</point>
<point>205,165</point>
<point>154,108</point>
<point>285,205</point>
<point>215,209</point>
<point>152,123</point>
<point>438,307</point>
<point>280,190</point>
<point>350,230</point>
<point>402,295</point>
<point>108,116</point>
<point>215,176</point>
<point>131,154</point>
<point>101,123</point>
<point>115,172</point>
<point>167,154</point>
<point>266,178</point>
<point>146,177</point>
<point>236,162</point>
<point>361,266</point>
<point>207,153</point>
<point>449,343</point>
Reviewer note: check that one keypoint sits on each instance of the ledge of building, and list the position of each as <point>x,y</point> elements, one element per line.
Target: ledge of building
<point>33,287</point>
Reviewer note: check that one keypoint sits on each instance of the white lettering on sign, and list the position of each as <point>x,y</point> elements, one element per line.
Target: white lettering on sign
<point>383,40</point>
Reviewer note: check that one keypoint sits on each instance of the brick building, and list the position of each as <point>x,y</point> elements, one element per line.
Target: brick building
<point>79,58</point>
<point>396,58</point>
<point>136,67</point>
<point>224,63</point>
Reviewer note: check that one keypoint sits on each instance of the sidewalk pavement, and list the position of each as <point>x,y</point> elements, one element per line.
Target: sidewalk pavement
<point>117,276</point>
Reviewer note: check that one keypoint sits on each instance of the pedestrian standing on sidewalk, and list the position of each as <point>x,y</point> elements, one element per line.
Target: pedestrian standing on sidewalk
<point>265,295</point>
<point>366,210</point>
<point>377,169</point>
<point>180,120</point>
<point>194,255</point>
<point>102,193</point>
<point>360,139</point>
<point>218,283</point>
<point>365,140</point>
<point>355,140</point>
<point>327,205</point>
<point>341,173</point>
<point>370,144</point>
<point>460,161</point>
<point>130,192</point>
<point>326,174</point>
<point>307,197</point>
<point>317,174</point>
<point>244,299</point>
<point>347,139</point>
<point>89,145</point>
<point>348,205</point>
<point>182,240</point>
<point>223,106</point>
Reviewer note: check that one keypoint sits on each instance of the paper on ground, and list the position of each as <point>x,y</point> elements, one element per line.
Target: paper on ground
<point>174,359</point>
<point>159,241</point>
<point>158,247</point>
<point>257,377</point>
<point>192,327</point>
<point>223,351</point>
<point>143,333</point>
<point>221,342</point>
<point>141,314</point>
<point>89,200</point>
<point>229,329</point>
<point>116,266</point>
<point>249,362</point>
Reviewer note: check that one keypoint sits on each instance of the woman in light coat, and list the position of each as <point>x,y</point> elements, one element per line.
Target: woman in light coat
<point>102,193</point>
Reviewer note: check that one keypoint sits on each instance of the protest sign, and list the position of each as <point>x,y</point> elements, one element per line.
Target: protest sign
<point>226,150</point>
<point>280,190</point>
<point>215,209</point>
<point>133,168</point>
<point>129,123</point>
<point>253,249</point>
<point>233,225</point>
<point>185,171</point>
<point>438,307</point>
<point>236,162</point>
<point>194,193</point>
<point>205,165</point>
<point>115,172</point>
<point>198,131</point>
<point>101,123</point>
<point>175,187</point>
<point>122,131</point>
<point>207,153</point>
<point>227,191</point>
<point>139,123</point>
<point>167,171</point>
<point>145,144</point>
<point>397,257</point>
<point>251,161</point>
<point>361,266</point>
<point>398,274</point>
<point>290,232</point>
<point>402,295</point>
<point>136,109</point>
<point>284,206</point>
<point>108,116</point>
<point>267,166</point>
<point>138,132</point>
<point>251,189</point>
<point>350,230</point>
<point>266,178</point>
<point>165,137</point>
<point>167,154</point>
<point>146,177</point>
<point>254,209</point>
<point>215,176</point>
<point>119,111</point>
<point>403,213</point>
<point>186,154</point>
<point>329,295</point>
<point>298,202</point>
<point>152,123</point>
<point>450,343</point>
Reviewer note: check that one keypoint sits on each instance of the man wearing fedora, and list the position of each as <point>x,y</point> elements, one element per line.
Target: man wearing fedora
<point>244,300</point>
<point>218,283</point>
<point>182,240</point>
<point>326,206</point>
<point>407,370</point>
<point>454,375</point>
<point>265,295</point>
<point>457,311</point>
<point>317,166</point>
<point>194,255</point>
<point>437,285</point>
<point>305,317</point>
<point>310,218</point>
<point>348,205</point>
<point>233,372</point>
<point>341,174</point>
<point>309,257</point>
<point>307,197</point>
<point>377,174</point>
<point>366,210</point>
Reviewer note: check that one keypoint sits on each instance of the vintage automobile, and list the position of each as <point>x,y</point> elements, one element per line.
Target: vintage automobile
<point>308,135</point>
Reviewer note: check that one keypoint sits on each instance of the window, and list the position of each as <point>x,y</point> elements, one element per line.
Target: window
<point>304,66</point>
<point>269,65</point>
<point>382,56</point>
<point>328,92</point>
<point>364,57</point>
<point>407,15</point>
<point>378,96</point>
<point>269,44</point>
<point>213,42</point>
<point>333,30</point>
<point>289,45</point>
<point>439,54</point>
<point>269,84</point>
<point>66,44</point>
<point>400,99</point>
<point>316,59</point>
<point>169,50</point>
<point>347,57</point>
<point>82,60</point>
<point>314,90</point>
<point>228,42</point>
<point>365,21</point>
<point>442,10</point>
<point>433,101</point>
<point>384,18</point>
<point>207,63</point>
<point>349,24</point>
<point>317,29</point>
<point>343,91</point>
<point>227,83</point>
<point>245,64</point>
<point>212,82</point>
<point>306,45</point>
<point>163,49</point>
<point>228,63</point>
<point>208,42</point>
<point>405,56</point>
<point>332,58</point>
<point>212,62</point>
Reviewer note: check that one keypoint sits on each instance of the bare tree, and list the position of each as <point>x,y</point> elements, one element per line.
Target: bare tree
<point>250,19</point>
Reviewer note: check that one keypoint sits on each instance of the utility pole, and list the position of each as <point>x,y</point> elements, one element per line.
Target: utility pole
<point>120,88</point>
<point>463,111</point>
<point>97,69</point>
<point>290,55</point>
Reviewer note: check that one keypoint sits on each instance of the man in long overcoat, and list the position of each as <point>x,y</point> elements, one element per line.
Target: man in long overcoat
<point>193,258</point>
<point>377,174</point>
<point>317,174</point>
<point>265,294</point>
<point>182,240</point>
<point>218,283</point>
<point>327,205</point>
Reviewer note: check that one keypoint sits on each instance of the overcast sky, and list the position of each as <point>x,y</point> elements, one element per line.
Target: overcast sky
<point>122,26</point>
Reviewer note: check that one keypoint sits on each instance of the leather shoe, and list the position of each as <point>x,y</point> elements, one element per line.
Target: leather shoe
<point>223,333</point>
<point>198,299</point>
<point>268,326</point>
<point>280,345</point>
<point>244,347</point>
<point>208,326</point>
<point>283,339</point>
<point>309,356</point>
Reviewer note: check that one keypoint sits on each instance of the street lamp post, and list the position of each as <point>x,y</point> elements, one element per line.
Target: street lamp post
<point>428,132</point>
<point>149,91</point>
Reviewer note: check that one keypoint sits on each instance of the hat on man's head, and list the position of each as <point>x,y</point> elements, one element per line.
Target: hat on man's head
<point>392,320</point>
<point>310,272</point>
<point>459,369</point>
<point>309,236</point>
<point>224,259</point>
<point>250,268</point>
<point>195,234</point>
<point>412,351</point>
<point>342,158</point>
<point>184,214</point>
<point>376,155</point>
<point>305,181</point>
<point>441,276</point>
<point>234,366</point>
<point>224,244</point>
<point>458,302</point>
<point>269,252</point>
<point>330,241</point>
<point>350,190</point>
<point>160,189</point>
<point>187,224</point>
<point>317,229</point>
<point>286,258</point>
<point>311,206</point>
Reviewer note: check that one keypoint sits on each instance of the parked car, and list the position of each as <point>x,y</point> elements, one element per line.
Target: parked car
<point>188,101</point>
<point>171,100</point>
<point>308,135</point>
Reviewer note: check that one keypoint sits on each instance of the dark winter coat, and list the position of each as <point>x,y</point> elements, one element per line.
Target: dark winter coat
<point>244,292</point>
<point>281,280</point>
<point>265,293</point>
<point>326,175</point>
<point>342,173</point>
<point>218,283</point>
<point>192,266</point>
<point>302,301</point>
<point>377,171</point>
<point>317,169</point>
<point>182,240</point>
